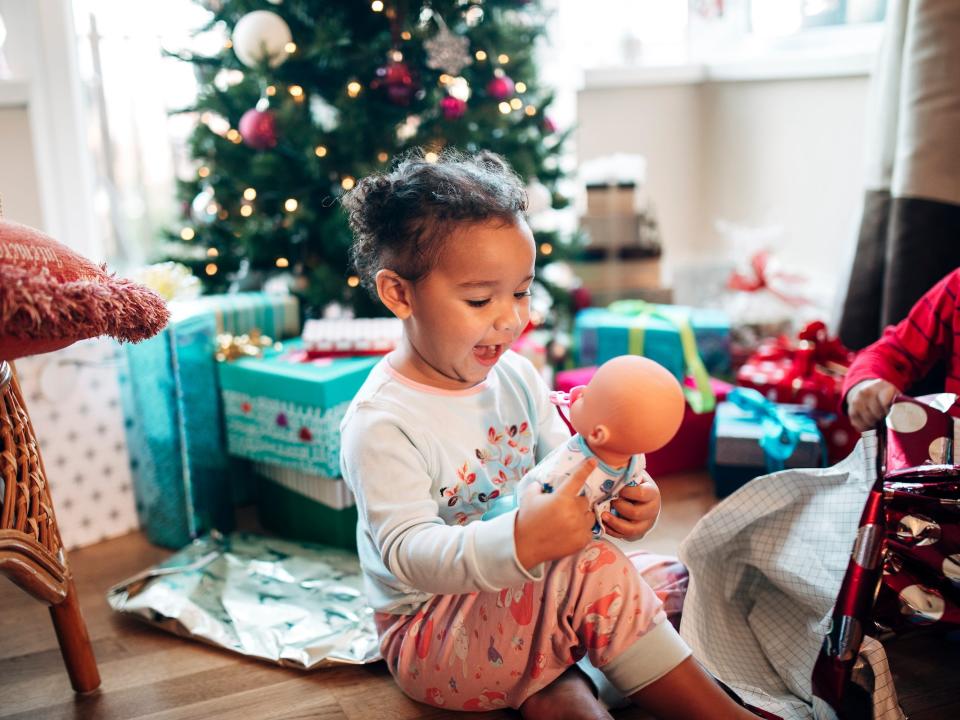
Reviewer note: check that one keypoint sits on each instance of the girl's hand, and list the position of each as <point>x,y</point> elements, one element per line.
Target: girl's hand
<point>552,525</point>
<point>868,402</point>
<point>638,507</point>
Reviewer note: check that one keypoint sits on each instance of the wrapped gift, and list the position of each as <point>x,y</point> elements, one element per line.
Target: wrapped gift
<point>674,336</point>
<point>763,299</point>
<point>344,337</point>
<point>285,409</point>
<point>303,506</point>
<point>566,380</point>
<point>277,316</point>
<point>74,399</point>
<point>753,436</point>
<point>174,421</point>
<point>688,450</point>
<point>904,576</point>
<point>807,371</point>
<point>921,577</point>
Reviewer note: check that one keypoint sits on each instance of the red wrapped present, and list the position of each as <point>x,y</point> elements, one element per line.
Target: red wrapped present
<point>690,447</point>
<point>904,570</point>
<point>567,380</point>
<point>808,371</point>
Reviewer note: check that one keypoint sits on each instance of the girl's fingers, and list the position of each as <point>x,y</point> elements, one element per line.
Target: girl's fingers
<point>618,525</point>
<point>574,484</point>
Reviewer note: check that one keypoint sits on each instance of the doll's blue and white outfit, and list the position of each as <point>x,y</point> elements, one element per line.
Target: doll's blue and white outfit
<point>603,485</point>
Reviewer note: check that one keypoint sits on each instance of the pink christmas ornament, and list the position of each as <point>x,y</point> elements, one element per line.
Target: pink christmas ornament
<point>258,128</point>
<point>500,87</point>
<point>453,108</point>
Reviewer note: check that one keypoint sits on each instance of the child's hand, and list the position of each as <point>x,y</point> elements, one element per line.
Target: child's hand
<point>552,525</point>
<point>638,508</point>
<point>868,402</point>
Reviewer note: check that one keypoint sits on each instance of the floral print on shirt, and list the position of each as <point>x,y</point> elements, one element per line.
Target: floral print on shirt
<point>494,471</point>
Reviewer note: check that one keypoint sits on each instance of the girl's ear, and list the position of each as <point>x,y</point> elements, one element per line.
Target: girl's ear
<point>395,292</point>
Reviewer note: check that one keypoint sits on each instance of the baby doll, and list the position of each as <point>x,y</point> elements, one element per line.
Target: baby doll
<point>631,406</point>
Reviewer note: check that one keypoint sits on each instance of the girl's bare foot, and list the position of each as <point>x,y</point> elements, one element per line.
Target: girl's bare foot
<point>569,697</point>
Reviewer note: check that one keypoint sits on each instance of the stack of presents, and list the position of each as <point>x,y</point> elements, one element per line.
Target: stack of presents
<point>777,409</point>
<point>235,403</point>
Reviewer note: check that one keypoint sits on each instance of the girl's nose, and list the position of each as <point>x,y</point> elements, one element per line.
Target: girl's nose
<point>509,319</point>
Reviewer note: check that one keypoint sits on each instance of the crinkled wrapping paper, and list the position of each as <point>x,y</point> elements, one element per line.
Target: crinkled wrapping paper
<point>290,603</point>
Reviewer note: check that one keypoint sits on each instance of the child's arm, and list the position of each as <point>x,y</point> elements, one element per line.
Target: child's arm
<point>903,355</point>
<point>388,469</point>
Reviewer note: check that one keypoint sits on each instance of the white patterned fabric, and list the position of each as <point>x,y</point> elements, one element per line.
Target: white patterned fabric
<point>766,566</point>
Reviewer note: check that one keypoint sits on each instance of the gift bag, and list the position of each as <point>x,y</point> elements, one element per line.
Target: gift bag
<point>903,570</point>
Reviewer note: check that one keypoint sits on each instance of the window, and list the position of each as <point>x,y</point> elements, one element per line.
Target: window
<point>130,89</point>
<point>608,33</point>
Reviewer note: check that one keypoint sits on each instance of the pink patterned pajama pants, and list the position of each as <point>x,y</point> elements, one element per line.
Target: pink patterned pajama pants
<point>488,650</point>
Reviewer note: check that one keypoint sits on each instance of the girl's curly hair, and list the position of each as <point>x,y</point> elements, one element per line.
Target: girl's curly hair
<point>401,219</point>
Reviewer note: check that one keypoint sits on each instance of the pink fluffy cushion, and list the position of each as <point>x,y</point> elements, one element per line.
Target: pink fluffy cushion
<point>51,297</point>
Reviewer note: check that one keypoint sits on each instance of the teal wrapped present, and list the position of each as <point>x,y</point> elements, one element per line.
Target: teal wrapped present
<point>174,424</point>
<point>753,436</point>
<point>285,412</point>
<point>634,327</point>
<point>277,316</point>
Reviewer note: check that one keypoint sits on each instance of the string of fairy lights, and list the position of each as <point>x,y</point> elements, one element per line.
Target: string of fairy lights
<point>264,36</point>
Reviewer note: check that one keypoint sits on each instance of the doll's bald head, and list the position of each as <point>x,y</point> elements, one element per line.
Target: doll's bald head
<point>631,405</point>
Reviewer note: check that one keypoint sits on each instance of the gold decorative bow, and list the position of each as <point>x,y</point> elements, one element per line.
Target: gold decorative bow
<point>230,347</point>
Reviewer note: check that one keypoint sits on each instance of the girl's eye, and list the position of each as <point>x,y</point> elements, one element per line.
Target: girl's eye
<point>521,295</point>
<point>477,303</point>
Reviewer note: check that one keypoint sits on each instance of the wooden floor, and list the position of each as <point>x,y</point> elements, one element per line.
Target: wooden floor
<point>150,674</point>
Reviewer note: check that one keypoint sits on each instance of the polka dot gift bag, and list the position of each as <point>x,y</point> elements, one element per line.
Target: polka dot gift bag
<point>904,569</point>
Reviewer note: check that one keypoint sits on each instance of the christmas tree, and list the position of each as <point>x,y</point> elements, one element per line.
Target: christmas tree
<point>306,96</point>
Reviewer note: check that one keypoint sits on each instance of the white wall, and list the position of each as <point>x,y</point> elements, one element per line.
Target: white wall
<point>786,152</point>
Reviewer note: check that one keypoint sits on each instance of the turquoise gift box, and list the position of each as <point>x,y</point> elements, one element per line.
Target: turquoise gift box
<point>174,424</point>
<point>653,331</point>
<point>287,413</point>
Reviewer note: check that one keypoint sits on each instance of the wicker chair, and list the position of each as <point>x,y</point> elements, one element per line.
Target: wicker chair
<point>31,552</point>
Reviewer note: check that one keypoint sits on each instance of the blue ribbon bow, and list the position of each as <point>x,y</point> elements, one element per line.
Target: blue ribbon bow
<point>781,428</point>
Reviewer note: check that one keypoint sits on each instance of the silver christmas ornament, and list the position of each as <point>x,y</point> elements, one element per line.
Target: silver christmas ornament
<point>447,51</point>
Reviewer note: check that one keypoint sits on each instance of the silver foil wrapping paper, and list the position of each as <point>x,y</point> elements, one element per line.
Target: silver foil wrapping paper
<point>294,604</point>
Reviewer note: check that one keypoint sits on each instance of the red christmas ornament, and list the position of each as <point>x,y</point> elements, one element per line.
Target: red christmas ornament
<point>581,298</point>
<point>549,125</point>
<point>500,87</point>
<point>453,108</point>
<point>258,128</point>
<point>396,80</point>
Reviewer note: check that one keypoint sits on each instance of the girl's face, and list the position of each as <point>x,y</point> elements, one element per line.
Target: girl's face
<point>471,307</point>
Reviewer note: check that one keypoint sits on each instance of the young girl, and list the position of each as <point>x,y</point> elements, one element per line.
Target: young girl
<point>473,614</point>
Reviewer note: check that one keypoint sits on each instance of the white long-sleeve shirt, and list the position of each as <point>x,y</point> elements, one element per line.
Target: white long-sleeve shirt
<point>425,464</point>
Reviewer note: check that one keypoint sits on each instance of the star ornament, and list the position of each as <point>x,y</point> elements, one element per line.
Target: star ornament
<point>448,52</point>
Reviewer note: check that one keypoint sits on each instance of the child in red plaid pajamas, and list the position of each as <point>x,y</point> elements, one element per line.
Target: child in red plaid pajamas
<point>905,353</point>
